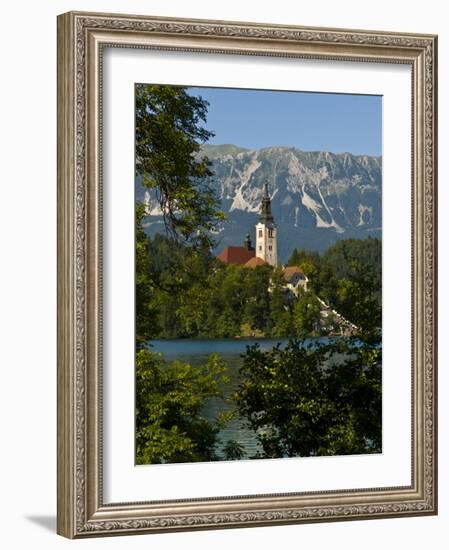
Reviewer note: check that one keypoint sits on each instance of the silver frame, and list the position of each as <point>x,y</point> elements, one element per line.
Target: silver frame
<point>81,39</point>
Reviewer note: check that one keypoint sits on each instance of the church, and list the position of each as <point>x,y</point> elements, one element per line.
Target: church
<point>265,251</point>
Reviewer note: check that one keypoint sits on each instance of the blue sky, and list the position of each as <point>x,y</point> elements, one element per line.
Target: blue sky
<point>309,121</point>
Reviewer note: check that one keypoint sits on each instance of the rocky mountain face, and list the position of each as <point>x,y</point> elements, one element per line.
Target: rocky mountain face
<point>317,197</point>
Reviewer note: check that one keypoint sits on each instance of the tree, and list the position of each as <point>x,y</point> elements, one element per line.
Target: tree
<point>169,400</point>
<point>306,315</point>
<point>350,279</point>
<point>169,134</point>
<point>325,398</point>
<point>257,297</point>
<point>168,139</point>
<point>233,450</point>
<point>309,261</point>
<point>146,312</point>
<point>313,400</point>
<point>357,301</point>
<point>280,321</point>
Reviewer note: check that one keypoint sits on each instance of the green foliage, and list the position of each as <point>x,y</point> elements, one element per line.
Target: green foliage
<point>319,400</point>
<point>350,279</point>
<point>169,135</point>
<point>347,276</point>
<point>190,294</point>
<point>196,296</point>
<point>309,261</point>
<point>322,399</point>
<point>315,400</point>
<point>146,311</point>
<point>169,399</point>
<point>306,315</point>
<point>256,310</point>
<point>233,450</point>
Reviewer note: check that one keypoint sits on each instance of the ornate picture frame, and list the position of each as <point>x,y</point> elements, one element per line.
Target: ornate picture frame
<point>82,511</point>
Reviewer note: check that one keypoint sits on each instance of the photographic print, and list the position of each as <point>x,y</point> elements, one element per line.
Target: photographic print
<point>258,274</point>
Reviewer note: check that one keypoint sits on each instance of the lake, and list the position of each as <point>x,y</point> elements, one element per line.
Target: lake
<point>196,352</point>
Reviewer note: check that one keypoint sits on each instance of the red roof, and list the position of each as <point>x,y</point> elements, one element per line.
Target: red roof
<point>255,262</point>
<point>236,255</point>
<point>290,271</point>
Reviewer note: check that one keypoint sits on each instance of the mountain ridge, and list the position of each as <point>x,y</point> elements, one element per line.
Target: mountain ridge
<point>318,197</point>
<point>211,150</point>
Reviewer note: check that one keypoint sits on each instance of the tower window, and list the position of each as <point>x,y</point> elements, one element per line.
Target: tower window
<point>270,233</point>
<point>270,247</point>
<point>260,232</point>
<point>260,248</point>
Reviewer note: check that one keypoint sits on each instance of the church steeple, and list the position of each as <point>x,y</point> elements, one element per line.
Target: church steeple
<point>266,232</point>
<point>265,215</point>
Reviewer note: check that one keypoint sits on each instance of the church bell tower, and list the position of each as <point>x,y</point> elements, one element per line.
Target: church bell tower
<point>266,232</point>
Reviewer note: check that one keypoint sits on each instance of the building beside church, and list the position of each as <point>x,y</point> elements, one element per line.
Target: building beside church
<point>295,279</point>
<point>265,251</point>
<point>239,255</point>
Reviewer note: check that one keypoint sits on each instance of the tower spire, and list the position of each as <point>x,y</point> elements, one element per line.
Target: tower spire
<point>266,231</point>
<point>265,214</point>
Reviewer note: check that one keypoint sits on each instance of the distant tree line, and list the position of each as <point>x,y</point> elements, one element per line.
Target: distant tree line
<point>186,292</point>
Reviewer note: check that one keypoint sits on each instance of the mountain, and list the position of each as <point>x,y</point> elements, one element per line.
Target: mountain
<point>317,197</point>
